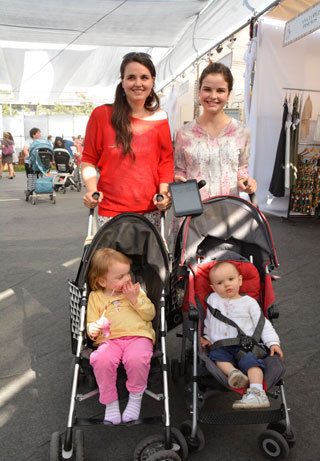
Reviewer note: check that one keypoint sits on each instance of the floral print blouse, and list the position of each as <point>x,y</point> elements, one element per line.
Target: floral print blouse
<point>219,160</point>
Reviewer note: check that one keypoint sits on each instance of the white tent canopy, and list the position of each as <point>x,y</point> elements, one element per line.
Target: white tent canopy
<point>52,49</point>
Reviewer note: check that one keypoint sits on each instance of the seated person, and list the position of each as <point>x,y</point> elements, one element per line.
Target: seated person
<point>131,335</point>
<point>245,312</point>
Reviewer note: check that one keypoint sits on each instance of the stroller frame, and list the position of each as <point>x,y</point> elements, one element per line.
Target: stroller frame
<point>278,437</point>
<point>171,440</point>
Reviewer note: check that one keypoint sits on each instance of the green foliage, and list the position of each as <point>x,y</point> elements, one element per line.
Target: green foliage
<point>6,110</point>
<point>85,108</point>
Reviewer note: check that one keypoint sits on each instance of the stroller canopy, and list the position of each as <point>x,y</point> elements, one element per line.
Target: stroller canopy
<point>135,236</point>
<point>40,155</point>
<point>226,218</point>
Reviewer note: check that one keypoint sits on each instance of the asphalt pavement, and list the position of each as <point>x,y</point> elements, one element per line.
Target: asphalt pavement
<point>40,250</point>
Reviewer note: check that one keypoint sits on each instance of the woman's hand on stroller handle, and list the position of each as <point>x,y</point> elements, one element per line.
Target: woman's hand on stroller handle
<point>162,200</point>
<point>91,199</point>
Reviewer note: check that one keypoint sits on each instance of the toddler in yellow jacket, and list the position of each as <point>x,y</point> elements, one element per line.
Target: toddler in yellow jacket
<point>130,312</point>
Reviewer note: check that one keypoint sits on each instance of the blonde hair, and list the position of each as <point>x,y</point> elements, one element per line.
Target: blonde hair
<point>100,264</point>
<point>217,265</point>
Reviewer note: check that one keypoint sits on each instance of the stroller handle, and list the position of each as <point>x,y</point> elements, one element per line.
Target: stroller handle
<point>253,197</point>
<point>95,196</point>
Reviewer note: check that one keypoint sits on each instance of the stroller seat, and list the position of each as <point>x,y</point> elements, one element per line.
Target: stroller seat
<point>250,286</point>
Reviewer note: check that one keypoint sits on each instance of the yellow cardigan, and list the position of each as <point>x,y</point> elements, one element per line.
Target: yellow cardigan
<point>126,319</point>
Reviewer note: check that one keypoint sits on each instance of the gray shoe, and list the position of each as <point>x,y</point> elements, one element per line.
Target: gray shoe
<point>259,400</point>
<point>237,379</point>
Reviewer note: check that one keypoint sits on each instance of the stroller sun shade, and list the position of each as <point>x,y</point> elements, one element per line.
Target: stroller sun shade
<point>227,218</point>
<point>135,236</point>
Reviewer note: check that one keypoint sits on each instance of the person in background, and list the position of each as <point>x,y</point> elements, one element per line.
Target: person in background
<point>64,144</point>
<point>7,148</point>
<point>50,139</point>
<point>129,143</point>
<point>119,321</point>
<point>35,133</point>
<point>78,142</point>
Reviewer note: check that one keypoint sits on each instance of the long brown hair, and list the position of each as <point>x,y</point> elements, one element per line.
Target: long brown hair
<point>121,109</point>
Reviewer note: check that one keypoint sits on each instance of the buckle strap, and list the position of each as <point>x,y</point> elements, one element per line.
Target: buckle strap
<point>247,343</point>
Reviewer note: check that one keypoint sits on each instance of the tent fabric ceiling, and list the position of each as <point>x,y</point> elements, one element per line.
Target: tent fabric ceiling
<point>82,43</point>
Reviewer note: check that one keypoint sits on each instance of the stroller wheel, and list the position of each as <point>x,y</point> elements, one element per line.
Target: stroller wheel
<point>165,455</point>
<point>280,426</point>
<point>64,189</point>
<point>273,445</point>
<point>155,444</point>
<point>198,442</point>
<point>55,447</point>
<point>79,445</point>
<point>79,185</point>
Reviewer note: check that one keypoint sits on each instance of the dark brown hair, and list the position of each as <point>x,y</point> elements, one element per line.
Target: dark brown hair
<point>121,109</point>
<point>100,264</point>
<point>217,68</point>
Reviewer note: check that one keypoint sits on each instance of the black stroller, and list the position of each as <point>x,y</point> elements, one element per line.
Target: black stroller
<point>38,180</point>
<point>136,237</point>
<point>68,175</point>
<point>230,229</point>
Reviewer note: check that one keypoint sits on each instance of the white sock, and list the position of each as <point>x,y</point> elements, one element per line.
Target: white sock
<point>132,411</point>
<point>254,386</point>
<point>112,413</point>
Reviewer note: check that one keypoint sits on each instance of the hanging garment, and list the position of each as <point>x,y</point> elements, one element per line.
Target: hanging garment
<point>277,181</point>
<point>316,135</point>
<point>305,118</point>
<point>294,141</point>
<point>306,192</point>
<point>287,147</point>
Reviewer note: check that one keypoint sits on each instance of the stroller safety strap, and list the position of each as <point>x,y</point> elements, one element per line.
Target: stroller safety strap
<point>246,343</point>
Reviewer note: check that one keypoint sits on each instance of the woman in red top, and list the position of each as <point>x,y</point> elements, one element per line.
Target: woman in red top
<point>129,143</point>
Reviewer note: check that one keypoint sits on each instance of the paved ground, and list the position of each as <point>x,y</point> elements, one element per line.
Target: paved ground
<point>41,247</point>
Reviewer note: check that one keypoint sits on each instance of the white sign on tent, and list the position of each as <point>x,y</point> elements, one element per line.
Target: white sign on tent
<point>302,25</point>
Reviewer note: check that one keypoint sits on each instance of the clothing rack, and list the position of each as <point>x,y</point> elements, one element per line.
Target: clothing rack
<point>309,143</point>
<point>303,143</point>
<point>301,89</point>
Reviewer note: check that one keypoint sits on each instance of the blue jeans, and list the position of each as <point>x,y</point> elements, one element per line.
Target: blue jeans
<point>229,353</point>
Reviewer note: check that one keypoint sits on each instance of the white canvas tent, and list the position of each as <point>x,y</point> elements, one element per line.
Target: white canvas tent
<point>50,49</point>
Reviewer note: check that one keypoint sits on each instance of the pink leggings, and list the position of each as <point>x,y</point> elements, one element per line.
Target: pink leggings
<point>135,353</point>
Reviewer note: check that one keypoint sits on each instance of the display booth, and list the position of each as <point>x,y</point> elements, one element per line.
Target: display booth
<point>281,72</point>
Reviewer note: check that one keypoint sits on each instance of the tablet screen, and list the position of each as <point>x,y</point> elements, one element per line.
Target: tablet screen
<point>186,198</point>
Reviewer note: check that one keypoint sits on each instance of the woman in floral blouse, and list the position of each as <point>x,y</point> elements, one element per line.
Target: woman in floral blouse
<point>215,147</point>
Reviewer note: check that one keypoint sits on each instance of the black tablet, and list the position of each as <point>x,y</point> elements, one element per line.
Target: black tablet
<point>186,198</point>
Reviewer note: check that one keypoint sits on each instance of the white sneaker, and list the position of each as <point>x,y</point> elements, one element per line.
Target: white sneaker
<point>237,379</point>
<point>259,400</point>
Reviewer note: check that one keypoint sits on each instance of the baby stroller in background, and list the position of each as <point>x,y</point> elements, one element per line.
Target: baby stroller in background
<point>68,175</point>
<point>136,237</point>
<point>39,182</point>
<point>230,229</point>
